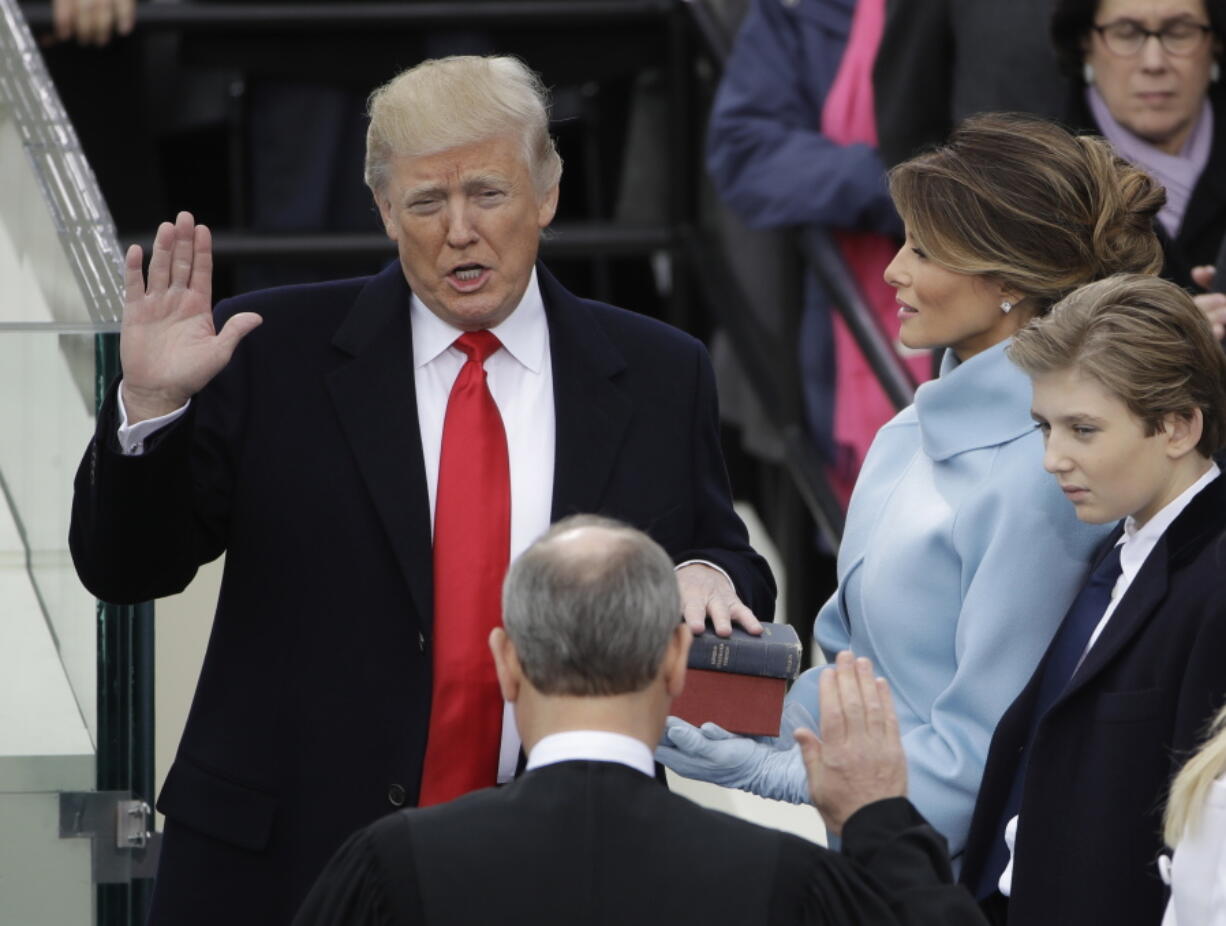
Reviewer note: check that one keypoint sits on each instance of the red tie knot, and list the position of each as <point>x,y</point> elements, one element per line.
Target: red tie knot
<point>478,344</point>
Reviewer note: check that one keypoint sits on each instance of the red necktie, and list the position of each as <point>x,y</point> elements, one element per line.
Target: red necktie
<point>472,538</point>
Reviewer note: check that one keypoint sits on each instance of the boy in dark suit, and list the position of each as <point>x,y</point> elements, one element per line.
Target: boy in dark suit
<point>591,656</point>
<point>1130,393</point>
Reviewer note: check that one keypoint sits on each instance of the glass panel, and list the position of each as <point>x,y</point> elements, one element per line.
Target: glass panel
<point>59,288</point>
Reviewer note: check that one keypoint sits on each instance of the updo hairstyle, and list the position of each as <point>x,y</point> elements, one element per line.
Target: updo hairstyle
<point>1022,200</point>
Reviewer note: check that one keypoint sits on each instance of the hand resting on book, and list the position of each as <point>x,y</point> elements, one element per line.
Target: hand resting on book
<point>767,766</point>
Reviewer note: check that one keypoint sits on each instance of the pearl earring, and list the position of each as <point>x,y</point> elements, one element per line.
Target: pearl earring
<point>1087,73</point>
<point>1006,306</point>
<point>1215,72</point>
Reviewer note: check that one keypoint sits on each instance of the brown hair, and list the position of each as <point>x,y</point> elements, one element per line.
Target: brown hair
<point>1145,341</point>
<point>1023,200</point>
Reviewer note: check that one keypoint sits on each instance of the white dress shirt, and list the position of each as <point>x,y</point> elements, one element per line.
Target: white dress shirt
<point>593,745</point>
<point>1136,543</point>
<point>1197,876</point>
<point>520,377</point>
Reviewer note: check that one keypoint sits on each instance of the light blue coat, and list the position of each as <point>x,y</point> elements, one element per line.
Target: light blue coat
<point>959,559</point>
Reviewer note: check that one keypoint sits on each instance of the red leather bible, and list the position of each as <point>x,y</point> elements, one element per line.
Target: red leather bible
<point>747,704</point>
<point>739,681</point>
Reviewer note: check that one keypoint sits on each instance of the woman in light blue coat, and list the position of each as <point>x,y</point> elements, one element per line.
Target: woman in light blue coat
<point>960,553</point>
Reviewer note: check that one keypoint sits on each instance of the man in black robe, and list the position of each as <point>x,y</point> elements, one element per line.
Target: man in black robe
<point>591,656</point>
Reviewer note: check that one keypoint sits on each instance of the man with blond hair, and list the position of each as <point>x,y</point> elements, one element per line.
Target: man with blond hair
<point>591,656</point>
<point>369,459</point>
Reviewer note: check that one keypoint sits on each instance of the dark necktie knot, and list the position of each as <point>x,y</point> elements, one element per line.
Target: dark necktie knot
<point>478,345</point>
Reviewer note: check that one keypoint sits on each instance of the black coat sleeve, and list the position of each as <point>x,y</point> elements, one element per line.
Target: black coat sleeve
<point>720,536</point>
<point>894,868</point>
<point>139,529</point>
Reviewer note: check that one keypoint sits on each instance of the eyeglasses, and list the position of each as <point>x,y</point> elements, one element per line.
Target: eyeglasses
<point>1126,37</point>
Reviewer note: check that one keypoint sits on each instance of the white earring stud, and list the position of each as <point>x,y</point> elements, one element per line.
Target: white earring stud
<point>1006,306</point>
<point>1215,72</point>
<point>1087,73</point>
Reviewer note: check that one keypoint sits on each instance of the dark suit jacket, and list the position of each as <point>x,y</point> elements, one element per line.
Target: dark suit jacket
<point>600,843</point>
<point>302,461</point>
<point>940,61</point>
<point>1103,756</point>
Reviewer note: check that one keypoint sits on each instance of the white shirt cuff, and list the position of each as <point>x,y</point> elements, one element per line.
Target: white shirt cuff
<point>132,437</point>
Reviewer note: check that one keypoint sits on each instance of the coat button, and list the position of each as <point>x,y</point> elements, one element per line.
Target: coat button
<point>396,795</point>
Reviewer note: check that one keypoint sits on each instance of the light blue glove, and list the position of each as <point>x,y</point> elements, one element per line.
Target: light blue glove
<point>767,766</point>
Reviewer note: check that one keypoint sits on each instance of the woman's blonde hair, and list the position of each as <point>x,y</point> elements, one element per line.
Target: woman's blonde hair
<point>1020,199</point>
<point>1192,784</point>
<point>1145,341</point>
<point>448,102</point>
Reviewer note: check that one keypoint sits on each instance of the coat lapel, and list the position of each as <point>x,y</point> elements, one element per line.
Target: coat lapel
<point>591,409</point>
<point>376,400</point>
<point>1197,523</point>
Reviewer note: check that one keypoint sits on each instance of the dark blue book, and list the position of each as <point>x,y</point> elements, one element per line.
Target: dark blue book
<point>774,654</point>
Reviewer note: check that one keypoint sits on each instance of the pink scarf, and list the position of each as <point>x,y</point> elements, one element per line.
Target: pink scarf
<point>860,405</point>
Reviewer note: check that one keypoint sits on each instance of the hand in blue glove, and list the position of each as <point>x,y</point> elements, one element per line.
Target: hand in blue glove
<point>767,766</point>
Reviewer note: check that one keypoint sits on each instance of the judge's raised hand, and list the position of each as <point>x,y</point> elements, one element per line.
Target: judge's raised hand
<point>859,758</point>
<point>707,592</point>
<point>167,344</point>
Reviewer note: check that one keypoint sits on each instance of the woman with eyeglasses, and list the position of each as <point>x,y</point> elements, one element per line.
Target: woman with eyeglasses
<point>1148,80</point>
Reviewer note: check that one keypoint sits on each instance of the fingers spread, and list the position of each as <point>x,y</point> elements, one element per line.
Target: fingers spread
<point>887,706</point>
<point>183,250</point>
<point>849,692</point>
<point>159,259</point>
<point>133,278</point>
<point>695,614</point>
<point>64,15</point>
<point>201,280</point>
<point>874,716</point>
<point>235,329</point>
<point>741,614</point>
<point>717,610</point>
<point>125,16</point>
<point>834,725</point>
<point>810,750</point>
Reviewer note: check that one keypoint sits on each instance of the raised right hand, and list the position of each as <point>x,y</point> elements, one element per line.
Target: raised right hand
<point>859,758</point>
<point>168,346</point>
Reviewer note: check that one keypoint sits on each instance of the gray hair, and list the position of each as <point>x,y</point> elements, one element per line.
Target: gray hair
<point>444,103</point>
<point>590,607</point>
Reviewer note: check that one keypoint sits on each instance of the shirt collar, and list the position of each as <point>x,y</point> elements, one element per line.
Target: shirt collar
<point>592,745</point>
<point>524,333</point>
<point>1138,542</point>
